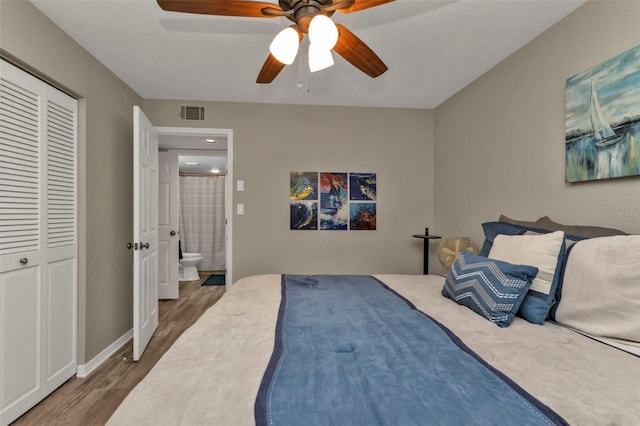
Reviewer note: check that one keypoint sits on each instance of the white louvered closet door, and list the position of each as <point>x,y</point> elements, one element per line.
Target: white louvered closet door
<point>38,294</point>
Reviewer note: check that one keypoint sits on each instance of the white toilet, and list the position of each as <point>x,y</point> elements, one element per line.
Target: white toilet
<point>188,269</point>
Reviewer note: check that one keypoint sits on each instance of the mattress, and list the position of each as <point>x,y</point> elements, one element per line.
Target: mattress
<point>212,373</point>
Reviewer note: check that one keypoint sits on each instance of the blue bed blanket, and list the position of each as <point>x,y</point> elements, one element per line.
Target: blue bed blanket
<point>351,351</point>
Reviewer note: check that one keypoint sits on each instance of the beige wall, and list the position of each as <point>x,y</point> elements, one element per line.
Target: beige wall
<point>270,141</point>
<point>105,163</point>
<point>500,141</point>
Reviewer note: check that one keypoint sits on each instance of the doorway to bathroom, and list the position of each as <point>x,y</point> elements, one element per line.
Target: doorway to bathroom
<point>201,162</point>
<point>201,213</point>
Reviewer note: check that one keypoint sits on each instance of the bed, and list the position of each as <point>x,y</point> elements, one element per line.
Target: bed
<point>410,349</point>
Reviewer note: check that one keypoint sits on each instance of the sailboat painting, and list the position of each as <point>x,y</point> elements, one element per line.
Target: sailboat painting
<point>602,120</point>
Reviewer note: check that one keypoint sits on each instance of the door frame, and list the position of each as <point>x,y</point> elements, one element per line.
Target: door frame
<point>228,191</point>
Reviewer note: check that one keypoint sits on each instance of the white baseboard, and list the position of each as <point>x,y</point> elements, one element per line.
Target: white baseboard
<point>85,369</point>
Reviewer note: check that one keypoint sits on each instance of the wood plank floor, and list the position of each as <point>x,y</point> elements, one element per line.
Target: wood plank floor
<point>92,400</point>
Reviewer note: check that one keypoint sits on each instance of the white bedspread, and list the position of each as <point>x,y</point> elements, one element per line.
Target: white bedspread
<point>212,373</point>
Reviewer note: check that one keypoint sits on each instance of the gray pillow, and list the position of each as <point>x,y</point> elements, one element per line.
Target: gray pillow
<point>576,230</point>
<point>528,224</point>
<point>580,230</point>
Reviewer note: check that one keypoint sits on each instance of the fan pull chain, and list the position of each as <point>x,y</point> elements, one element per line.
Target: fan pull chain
<point>303,48</point>
<point>301,69</point>
<point>308,44</point>
<point>300,84</point>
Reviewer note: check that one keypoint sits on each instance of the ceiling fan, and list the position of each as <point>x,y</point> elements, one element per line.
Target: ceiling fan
<point>311,17</point>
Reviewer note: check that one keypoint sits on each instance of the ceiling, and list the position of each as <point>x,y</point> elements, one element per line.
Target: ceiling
<point>432,48</point>
<point>209,151</point>
<point>204,164</point>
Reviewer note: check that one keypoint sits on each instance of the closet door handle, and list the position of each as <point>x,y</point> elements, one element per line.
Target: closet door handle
<point>172,233</point>
<point>23,261</point>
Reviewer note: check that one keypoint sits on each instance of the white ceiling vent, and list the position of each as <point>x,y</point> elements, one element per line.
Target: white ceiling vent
<point>192,112</point>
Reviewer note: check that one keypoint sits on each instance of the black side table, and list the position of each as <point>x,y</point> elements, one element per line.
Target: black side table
<point>426,237</point>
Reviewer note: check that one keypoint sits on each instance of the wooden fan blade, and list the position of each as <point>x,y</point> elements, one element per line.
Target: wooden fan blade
<point>363,4</point>
<point>270,70</point>
<point>252,9</point>
<point>356,52</point>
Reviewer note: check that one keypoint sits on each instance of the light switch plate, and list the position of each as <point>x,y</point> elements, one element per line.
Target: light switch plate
<point>240,185</point>
<point>240,209</point>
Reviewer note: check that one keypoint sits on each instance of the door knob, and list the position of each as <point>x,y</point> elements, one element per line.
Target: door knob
<point>23,261</point>
<point>145,245</point>
<point>172,233</point>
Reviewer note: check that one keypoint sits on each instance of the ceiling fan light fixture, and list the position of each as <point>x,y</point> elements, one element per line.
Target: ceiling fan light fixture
<point>312,17</point>
<point>319,58</point>
<point>284,46</point>
<point>323,32</point>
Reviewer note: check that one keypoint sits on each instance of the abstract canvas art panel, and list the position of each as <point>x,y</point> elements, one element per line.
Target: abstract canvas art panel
<point>303,215</point>
<point>303,186</point>
<point>334,210</point>
<point>362,216</point>
<point>602,120</point>
<point>363,186</point>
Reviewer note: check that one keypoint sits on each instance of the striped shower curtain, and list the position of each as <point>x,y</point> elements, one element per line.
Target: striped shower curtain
<point>202,222</point>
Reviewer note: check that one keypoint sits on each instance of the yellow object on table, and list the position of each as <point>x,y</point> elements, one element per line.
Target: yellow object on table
<point>450,247</point>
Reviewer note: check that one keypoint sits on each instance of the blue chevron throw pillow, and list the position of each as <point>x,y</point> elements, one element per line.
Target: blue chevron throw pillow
<point>491,288</point>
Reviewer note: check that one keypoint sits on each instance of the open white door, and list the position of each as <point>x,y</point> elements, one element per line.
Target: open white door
<point>168,226</point>
<point>145,231</point>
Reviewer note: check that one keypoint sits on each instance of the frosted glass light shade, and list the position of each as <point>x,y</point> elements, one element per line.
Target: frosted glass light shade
<point>284,46</point>
<point>319,58</point>
<point>323,32</point>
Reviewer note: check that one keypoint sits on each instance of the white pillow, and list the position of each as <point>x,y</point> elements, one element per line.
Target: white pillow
<point>541,251</point>
<point>600,293</point>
